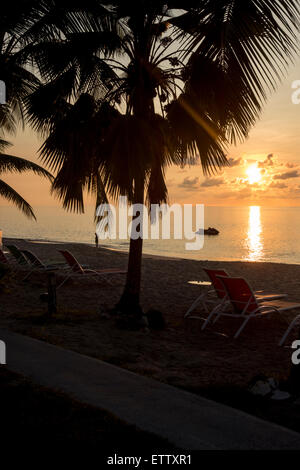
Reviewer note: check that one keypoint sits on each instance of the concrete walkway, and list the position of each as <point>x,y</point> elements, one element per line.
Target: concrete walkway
<point>186,420</point>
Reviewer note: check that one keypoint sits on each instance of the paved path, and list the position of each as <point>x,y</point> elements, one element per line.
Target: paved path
<point>186,420</point>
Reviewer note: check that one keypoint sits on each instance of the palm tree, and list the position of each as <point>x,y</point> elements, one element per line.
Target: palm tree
<point>15,23</point>
<point>143,85</point>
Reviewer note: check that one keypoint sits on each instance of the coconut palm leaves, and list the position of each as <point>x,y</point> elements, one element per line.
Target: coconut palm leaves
<point>236,51</point>
<point>222,55</point>
<point>8,193</point>
<point>74,147</point>
<point>132,87</point>
<point>11,164</point>
<point>17,18</point>
<point>94,147</point>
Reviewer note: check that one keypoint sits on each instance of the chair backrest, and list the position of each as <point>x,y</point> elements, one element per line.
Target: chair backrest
<point>3,258</point>
<point>72,261</point>
<point>240,294</point>
<point>17,254</point>
<point>217,284</point>
<point>33,259</point>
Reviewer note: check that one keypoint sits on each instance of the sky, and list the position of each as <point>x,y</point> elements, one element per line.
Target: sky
<point>264,170</point>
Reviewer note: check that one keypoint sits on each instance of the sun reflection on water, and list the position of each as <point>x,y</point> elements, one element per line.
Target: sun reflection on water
<point>253,241</point>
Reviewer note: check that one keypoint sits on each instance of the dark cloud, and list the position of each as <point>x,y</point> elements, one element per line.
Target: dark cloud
<point>278,185</point>
<point>190,183</point>
<point>267,162</point>
<point>234,161</point>
<point>210,182</point>
<point>287,175</point>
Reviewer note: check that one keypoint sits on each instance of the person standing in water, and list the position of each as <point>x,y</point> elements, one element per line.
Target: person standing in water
<point>96,240</point>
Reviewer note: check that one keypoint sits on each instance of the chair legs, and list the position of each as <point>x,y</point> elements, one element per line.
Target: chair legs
<point>69,274</point>
<point>195,303</point>
<point>207,320</point>
<point>216,311</point>
<point>28,274</point>
<point>96,276</point>
<point>242,326</point>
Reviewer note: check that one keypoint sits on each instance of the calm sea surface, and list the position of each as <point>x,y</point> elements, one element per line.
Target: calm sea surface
<point>246,233</point>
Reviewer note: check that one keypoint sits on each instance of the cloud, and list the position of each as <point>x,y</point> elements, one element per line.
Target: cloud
<point>190,183</point>
<point>267,162</point>
<point>245,192</point>
<point>211,182</point>
<point>287,175</point>
<point>234,161</point>
<point>278,185</point>
<point>240,194</point>
<point>290,165</point>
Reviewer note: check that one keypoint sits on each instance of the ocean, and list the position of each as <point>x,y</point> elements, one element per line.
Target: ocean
<point>246,233</point>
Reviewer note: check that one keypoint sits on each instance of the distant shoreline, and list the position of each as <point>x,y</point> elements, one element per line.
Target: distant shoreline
<point>270,237</point>
<point>172,256</point>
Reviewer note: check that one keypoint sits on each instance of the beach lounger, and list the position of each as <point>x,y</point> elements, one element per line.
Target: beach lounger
<point>216,295</point>
<point>18,255</point>
<point>37,265</point>
<point>79,270</point>
<point>245,303</point>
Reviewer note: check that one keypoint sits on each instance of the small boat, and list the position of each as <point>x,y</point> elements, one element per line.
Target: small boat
<point>208,231</point>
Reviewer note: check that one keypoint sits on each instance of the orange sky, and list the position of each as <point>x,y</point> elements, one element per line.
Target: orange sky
<point>273,146</point>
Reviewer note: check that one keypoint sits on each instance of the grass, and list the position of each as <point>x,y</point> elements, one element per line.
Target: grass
<point>34,414</point>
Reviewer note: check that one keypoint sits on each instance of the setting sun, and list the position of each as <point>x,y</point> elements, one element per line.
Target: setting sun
<point>253,173</point>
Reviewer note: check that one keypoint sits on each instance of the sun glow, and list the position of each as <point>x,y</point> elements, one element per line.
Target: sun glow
<point>253,173</point>
<point>254,236</point>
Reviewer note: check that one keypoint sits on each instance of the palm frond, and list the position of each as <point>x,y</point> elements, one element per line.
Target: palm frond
<point>156,190</point>
<point>4,144</point>
<point>198,137</point>
<point>7,120</point>
<point>48,105</point>
<point>12,164</point>
<point>11,195</point>
<point>74,148</point>
<point>245,47</point>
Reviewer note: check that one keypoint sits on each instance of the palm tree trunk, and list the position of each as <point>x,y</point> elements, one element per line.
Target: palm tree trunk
<point>130,300</point>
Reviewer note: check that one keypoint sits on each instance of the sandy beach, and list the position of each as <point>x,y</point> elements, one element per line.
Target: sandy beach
<point>181,354</point>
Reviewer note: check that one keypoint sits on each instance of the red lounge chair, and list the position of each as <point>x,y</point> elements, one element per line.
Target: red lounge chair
<point>77,269</point>
<point>245,303</point>
<point>216,295</point>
